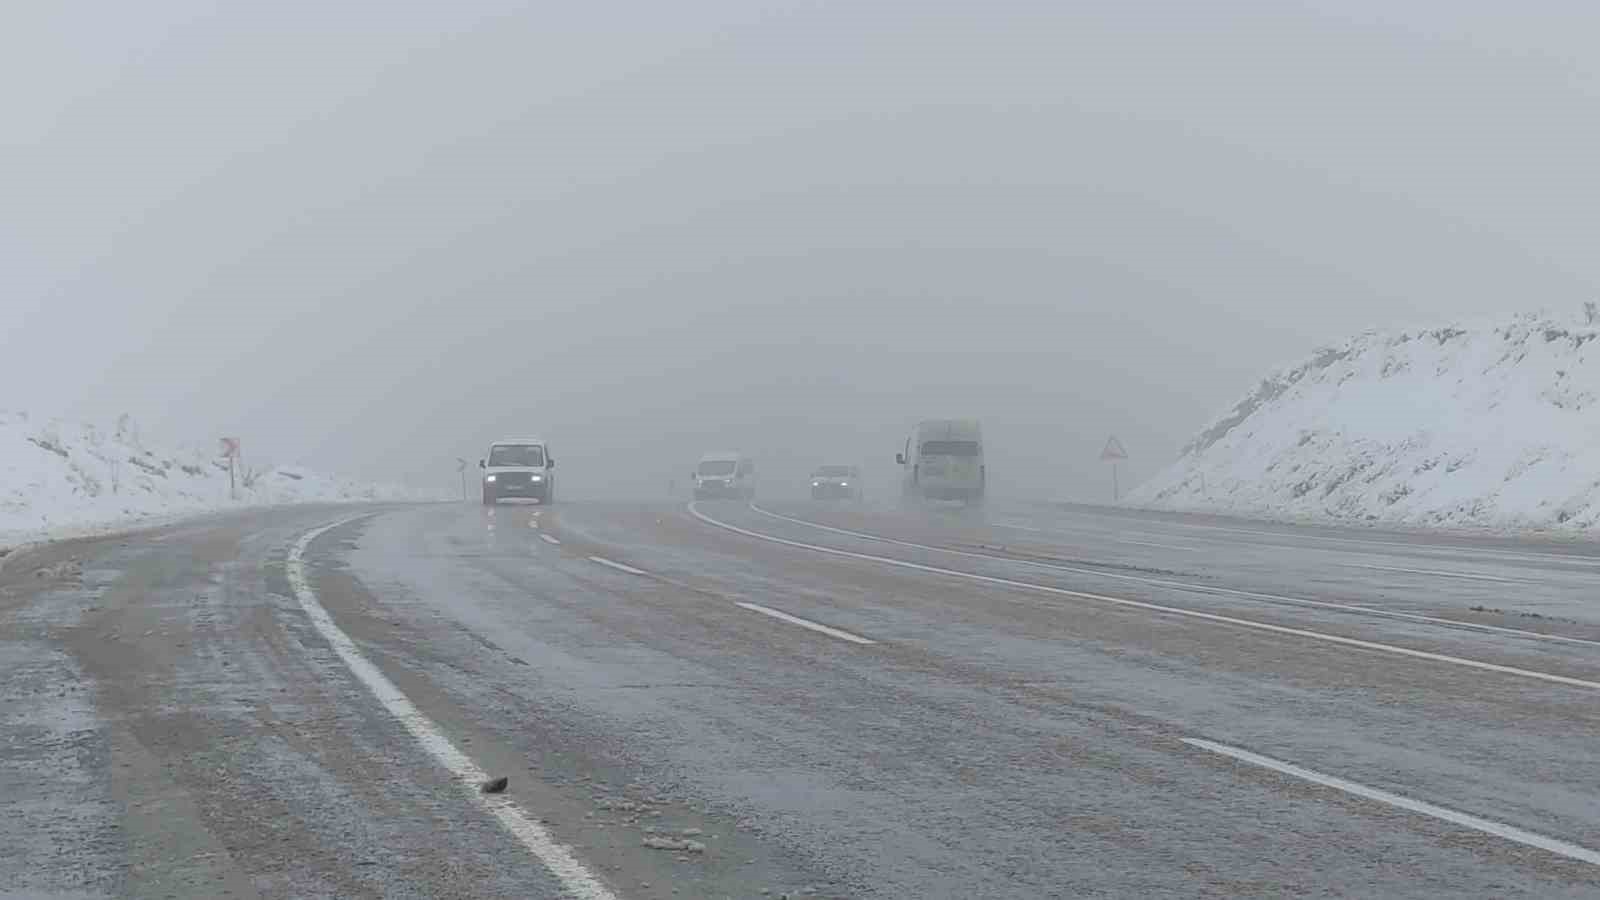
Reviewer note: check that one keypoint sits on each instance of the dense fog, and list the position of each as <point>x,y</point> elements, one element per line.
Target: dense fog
<point>374,237</point>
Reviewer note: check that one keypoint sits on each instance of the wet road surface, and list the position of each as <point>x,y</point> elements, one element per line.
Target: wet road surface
<point>807,699</point>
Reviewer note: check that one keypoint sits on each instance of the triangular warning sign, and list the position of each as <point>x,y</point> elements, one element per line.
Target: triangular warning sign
<point>1114,450</point>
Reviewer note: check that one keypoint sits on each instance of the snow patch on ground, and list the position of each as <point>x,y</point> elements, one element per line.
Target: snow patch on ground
<point>60,479</point>
<point>1472,425</point>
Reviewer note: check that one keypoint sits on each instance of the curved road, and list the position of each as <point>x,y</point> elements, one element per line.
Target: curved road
<point>796,699</point>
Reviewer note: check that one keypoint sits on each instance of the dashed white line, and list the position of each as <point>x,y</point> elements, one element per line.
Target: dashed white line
<point>805,623</point>
<point>1487,826</point>
<point>1194,588</point>
<point>548,539</point>
<point>1014,526</point>
<point>556,857</point>
<point>1157,607</point>
<point>1154,544</point>
<point>755,607</point>
<point>1470,576</point>
<point>616,565</point>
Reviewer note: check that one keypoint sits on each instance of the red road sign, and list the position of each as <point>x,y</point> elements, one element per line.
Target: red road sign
<point>1114,450</point>
<point>230,447</point>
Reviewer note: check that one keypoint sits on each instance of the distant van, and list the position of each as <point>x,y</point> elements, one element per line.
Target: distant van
<point>518,468</point>
<point>943,460</point>
<point>727,474</point>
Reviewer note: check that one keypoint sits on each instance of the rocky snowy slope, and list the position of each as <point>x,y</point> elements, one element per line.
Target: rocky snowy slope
<point>1474,425</point>
<point>59,478</point>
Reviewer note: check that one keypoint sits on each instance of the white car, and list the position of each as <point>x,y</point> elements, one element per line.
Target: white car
<point>518,468</point>
<point>836,483</point>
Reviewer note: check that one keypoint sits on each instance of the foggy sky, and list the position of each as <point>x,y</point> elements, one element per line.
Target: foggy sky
<point>372,237</point>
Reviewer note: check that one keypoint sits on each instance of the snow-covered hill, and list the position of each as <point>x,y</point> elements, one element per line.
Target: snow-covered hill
<point>1486,425</point>
<point>59,478</point>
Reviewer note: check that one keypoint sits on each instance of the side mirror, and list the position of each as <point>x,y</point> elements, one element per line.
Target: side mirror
<point>900,459</point>
<point>551,461</point>
<point>482,464</point>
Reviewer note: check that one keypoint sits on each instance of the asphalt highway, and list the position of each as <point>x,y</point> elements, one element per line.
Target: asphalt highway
<point>796,698</point>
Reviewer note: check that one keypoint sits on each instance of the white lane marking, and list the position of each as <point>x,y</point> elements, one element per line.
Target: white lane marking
<point>616,565</point>
<point>1154,544</point>
<point>1421,548</point>
<point>1092,534</point>
<point>805,623</point>
<point>574,876</point>
<point>1471,576</point>
<point>549,540</point>
<point>1487,826</point>
<point>1198,588</point>
<point>1157,607</point>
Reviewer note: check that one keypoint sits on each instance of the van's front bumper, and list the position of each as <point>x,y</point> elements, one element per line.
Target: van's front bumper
<point>711,490</point>
<point>517,484</point>
<point>530,492</point>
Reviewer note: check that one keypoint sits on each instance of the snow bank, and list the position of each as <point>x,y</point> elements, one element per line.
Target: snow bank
<point>1472,425</point>
<point>59,479</point>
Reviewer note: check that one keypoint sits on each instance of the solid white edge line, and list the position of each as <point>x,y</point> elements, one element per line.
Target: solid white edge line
<point>576,878</point>
<point>554,542</point>
<point>805,623</point>
<point>1471,576</point>
<point>1197,588</point>
<point>1487,826</point>
<point>616,565</point>
<point>1157,607</point>
<point>1432,550</point>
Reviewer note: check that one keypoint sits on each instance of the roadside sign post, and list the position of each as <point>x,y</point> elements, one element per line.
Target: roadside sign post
<point>230,450</point>
<point>461,466</point>
<point>1114,453</point>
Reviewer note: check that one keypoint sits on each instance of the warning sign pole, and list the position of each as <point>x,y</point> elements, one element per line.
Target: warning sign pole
<point>1114,453</point>
<point>230,449</point>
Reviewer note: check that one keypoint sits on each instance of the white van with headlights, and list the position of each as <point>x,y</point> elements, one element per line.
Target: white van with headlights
<point>728,474</point>
<point>520,468</point>
<point>943,460</point>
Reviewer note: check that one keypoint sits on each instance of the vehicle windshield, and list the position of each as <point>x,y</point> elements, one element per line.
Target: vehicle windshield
<point>716,467</point>
<point>950,448</point>
<point>832,472</point>
<point>516,455</point>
